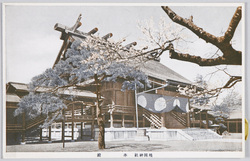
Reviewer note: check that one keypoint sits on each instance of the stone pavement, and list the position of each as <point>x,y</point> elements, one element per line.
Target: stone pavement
<point>131,146</point>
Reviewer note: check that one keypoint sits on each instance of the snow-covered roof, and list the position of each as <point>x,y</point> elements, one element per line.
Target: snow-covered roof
<point>158,70</point>
<point>19,86</point>
<point>235,114</point>
<point>151,68</point>
<point>77,92</point>
<point>203,107</point>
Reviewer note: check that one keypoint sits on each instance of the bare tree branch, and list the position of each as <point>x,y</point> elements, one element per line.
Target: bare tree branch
<point>191,91</point>
<point>233,25</point>
<point>230,55</point>
<point>232,81</point>
<point>188,23</point>
<point>196,59</point>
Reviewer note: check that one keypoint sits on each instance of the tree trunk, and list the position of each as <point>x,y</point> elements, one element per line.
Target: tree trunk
<point>100,121</point>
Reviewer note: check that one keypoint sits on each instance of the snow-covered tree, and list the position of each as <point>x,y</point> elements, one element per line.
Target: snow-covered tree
<point>201,99</point>
<point>231,102</point>
<point>92,58</point>
<point>221,110</point>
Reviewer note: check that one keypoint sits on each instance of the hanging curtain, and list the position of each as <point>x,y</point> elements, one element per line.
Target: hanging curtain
<point>160,103</point>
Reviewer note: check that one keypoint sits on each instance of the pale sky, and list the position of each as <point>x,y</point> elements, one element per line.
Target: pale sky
<point>32,44</point>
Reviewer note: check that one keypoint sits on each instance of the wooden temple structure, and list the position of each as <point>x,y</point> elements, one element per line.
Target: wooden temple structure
<point>119,109</point>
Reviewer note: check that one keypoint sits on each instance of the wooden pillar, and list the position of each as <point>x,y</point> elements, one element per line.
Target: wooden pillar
<point>162,120</point>
<point>200,120</point>
<point>41,134</point>
<point>193,119</point>
<point>123,121</point>
<point>143,119</point>
<point>72,122</point>
<point>16,134</point>
<point>41,130</point>
<point>188,119</point>
<point>134,120</point>
<point>228,127</point>
<point>111,120</point>
<point>92,122</point>
<point>207,121</point>
<point>49,133</point>
<point>23,136</point>
<point>81,122</point>
<point>81,130</point>
<point>24,128</point>
<point>63,128</point>
<point>237,127</point>
<point>104,121</point>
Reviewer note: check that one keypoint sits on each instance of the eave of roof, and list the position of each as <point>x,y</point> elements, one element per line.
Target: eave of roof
<point>73,92</point>
<point>76,92</point>
<point>13,98</point>
<point>19,86</point>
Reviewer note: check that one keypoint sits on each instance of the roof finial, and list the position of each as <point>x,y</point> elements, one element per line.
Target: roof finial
<point>77,24</point>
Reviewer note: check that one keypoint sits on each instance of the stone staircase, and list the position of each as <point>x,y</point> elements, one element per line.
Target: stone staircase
<point>201,134</point>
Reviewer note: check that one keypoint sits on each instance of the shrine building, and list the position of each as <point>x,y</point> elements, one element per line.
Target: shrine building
<point>160,110</point>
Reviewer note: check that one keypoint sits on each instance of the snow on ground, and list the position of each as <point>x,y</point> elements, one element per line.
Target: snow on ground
<point>129,146</point>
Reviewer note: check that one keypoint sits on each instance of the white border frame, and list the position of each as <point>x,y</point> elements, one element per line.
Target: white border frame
<point>120,154</point>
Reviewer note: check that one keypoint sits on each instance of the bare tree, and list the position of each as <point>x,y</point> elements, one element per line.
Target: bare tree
<point>223,43</point>
<point>168,36</point>
<point>231,102</point>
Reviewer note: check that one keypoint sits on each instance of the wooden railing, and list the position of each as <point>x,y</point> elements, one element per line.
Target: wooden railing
<point>29,124</point>
<point>120,109</point>
<point>179,117</point>
<point>14,127</point>
<point>79,117</point>
<point>152,118</point>
<point>34,122</point>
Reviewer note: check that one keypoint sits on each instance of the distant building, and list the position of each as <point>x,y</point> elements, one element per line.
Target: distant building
<point>234,122</point>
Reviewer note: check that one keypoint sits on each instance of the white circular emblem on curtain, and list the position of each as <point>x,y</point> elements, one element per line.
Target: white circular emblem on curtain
<point>176,103</point>
<point>160,104</point>
<point>142,101</point>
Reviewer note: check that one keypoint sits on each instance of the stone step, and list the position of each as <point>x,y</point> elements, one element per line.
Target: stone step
<point>202,134</point>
